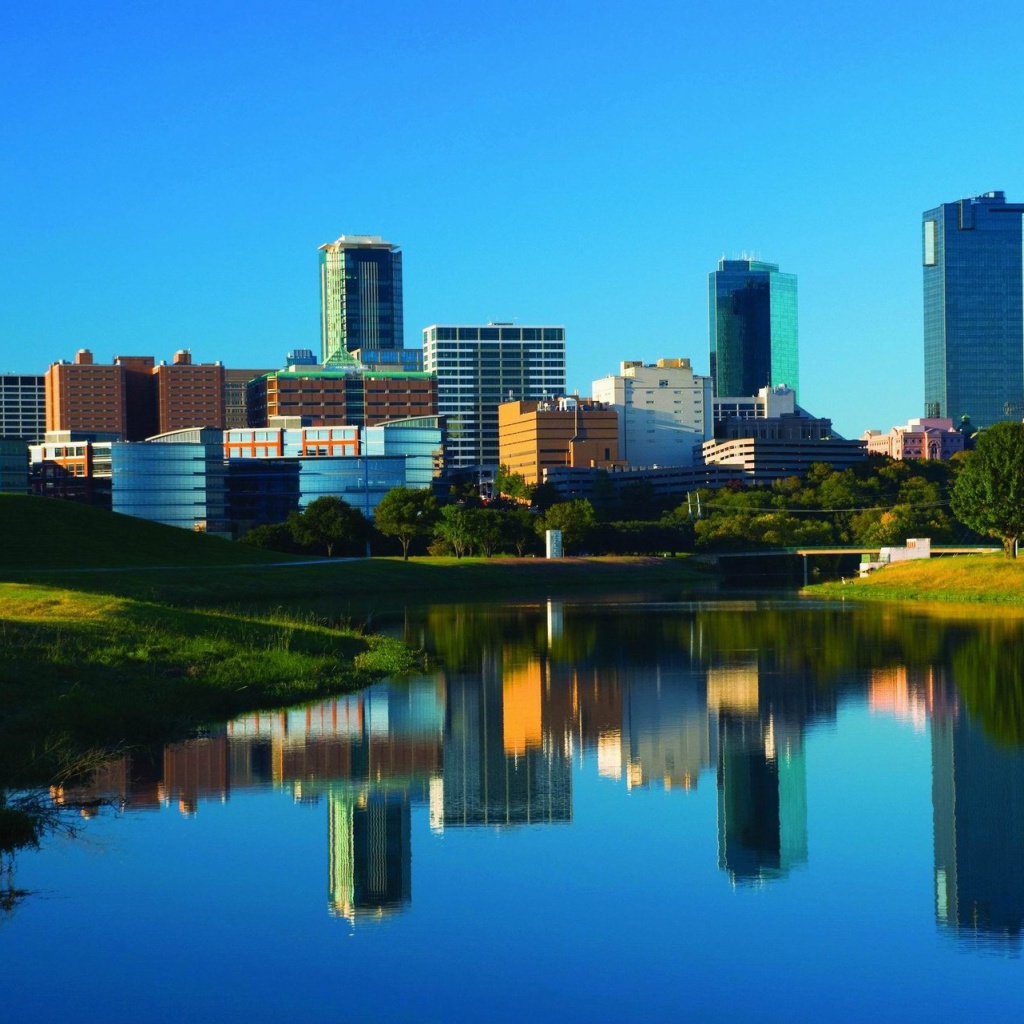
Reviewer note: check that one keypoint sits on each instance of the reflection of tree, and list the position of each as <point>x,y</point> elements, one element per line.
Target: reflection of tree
<point>989,674</point>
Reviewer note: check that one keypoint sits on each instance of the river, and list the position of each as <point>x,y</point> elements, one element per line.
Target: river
<point>634,809</point>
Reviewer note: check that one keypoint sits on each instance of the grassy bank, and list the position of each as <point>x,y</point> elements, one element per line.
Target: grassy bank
<point>83,672</point>
<point>87,550</point>
<point>116,631</point>
<point>976,579</point>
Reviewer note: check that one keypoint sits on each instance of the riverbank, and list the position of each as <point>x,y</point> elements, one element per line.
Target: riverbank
<point>82,673</point>
<point>965,579</point>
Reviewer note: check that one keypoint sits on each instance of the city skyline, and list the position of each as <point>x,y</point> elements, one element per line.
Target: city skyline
<point>145,144</point>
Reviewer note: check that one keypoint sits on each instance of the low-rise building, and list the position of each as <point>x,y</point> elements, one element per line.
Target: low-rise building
<point>574,432</point>
<point>932,438</point>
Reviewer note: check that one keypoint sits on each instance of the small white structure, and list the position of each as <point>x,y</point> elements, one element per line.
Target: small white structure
<point>916,547</point>
<point>553,543</point>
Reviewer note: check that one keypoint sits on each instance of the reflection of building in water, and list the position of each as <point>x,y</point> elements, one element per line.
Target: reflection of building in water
<point>910,694</point>
<point>194,770</point>
<point>370,851</point>
<point>762,779</point>
<point>497,768</point>
<point>666,729</point>
<point>978,806</point>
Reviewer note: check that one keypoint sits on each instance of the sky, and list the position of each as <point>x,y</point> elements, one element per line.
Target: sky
<point>168,171</point>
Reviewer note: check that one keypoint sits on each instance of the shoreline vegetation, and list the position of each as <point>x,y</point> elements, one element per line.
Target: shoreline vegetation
<point>990,580</point>
<point>117,632</point>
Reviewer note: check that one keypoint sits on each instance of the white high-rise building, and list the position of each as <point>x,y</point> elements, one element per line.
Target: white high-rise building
<point>664,411</point>
<point>22,407</point>
<point>480,367</point>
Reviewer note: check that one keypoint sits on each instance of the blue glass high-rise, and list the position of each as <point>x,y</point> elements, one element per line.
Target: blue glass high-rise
<point>974,310</point>
<point>360,298</point>
<point>752,328</point>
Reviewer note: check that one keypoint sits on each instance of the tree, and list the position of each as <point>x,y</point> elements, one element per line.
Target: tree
<point>512,485</point>
<point>518,529</point>
<point>406,513</point>
<point>485,527</point>
<point>454,527</point>
<point>988,495</point>
<point>573,518</point>
<point>328,522</point>
<point>271,537</point>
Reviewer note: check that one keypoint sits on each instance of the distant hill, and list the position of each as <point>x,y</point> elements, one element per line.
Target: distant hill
<point>48,533</point>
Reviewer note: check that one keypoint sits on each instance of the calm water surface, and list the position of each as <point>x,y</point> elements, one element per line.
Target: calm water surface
<point>606,811</point>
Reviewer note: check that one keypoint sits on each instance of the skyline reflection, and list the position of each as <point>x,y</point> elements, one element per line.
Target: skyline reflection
<point>524,700</point>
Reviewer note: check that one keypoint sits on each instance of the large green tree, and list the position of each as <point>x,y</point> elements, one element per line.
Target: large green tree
<point>406,513</point>
<point>454,527</point>
<point>988,495</point>
<point>327,523</point>
<point>573,518</point>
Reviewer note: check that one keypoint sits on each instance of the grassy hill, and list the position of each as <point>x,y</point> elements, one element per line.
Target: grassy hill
<point>990,579</point>
<point>44,533</point>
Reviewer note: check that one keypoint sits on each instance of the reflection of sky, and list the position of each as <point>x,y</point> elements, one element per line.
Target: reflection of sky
<point>617,911</point>
<point>624,914</point>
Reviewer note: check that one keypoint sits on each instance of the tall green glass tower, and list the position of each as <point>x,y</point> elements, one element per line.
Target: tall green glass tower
<point>752,328</point>
<point>360,298</point>
<point>974,310</point>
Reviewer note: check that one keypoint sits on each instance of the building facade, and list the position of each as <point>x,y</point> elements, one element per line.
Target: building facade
<point>178,479</point>
<point>533,436</point>
<point>478,368</point>
<point>752,327</point>
<point>133,397</point>
<point>664,410</point>
<point>22,407</point>
<point>918,439</point>
<point>333,397</point>
<point>974,310</point>
<point>360,298</point>
<point>236,401</point>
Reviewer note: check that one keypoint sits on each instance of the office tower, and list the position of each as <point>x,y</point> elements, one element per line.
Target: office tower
<point>752,327</point>
<point>664,410</point>
<point>360,299</point>
<point>974,310</point>
<point>22,407</point>
<point>478,368</point>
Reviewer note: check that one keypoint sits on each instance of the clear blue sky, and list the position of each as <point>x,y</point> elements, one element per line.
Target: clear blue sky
<point>167,171</point>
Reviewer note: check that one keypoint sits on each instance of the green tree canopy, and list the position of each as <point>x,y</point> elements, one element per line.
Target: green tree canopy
<point>454,527</point>
<point>989,492</point>
<point>406,513</point>
<point>573,518</point>
<point>329,522</point>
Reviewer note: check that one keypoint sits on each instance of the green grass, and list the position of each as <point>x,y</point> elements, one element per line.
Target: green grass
<point>84,672</point>
<point>976,579</point>
<point>44,533</point>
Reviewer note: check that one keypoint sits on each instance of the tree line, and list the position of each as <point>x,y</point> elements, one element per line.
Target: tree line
<point>976,495</point>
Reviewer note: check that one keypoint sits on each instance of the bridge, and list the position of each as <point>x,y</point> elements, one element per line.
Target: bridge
<point>712,558</point>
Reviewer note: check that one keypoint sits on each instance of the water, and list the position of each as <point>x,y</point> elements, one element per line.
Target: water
<point>620,811</point>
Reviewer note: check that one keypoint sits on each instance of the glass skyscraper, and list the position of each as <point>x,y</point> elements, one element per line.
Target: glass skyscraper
<point>974,310</point>
<point>360,298</point>
<point>752,328</point>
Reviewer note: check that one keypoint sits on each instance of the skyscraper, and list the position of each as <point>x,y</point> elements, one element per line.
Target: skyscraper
<point>360,298</point>
<point>974,310</point>
<point>752,328</point>
<point>479,368</point>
